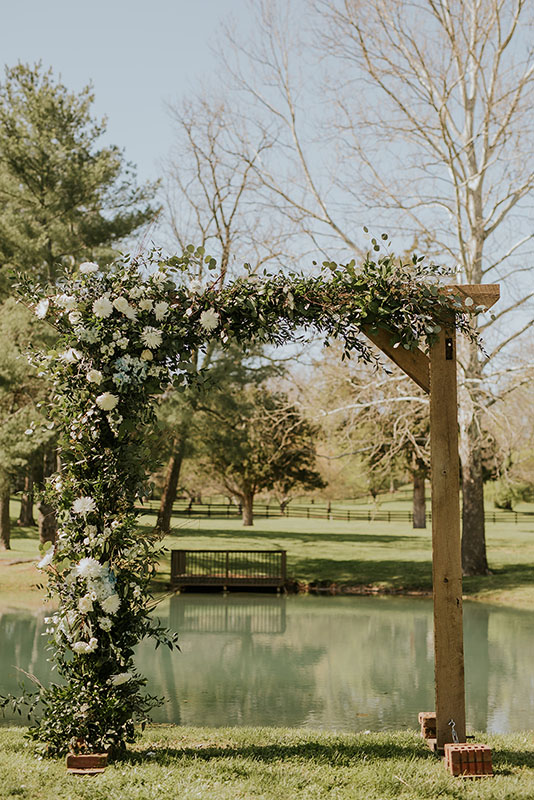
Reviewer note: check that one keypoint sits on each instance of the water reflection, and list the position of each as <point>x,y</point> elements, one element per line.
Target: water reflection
<point>336,663</point>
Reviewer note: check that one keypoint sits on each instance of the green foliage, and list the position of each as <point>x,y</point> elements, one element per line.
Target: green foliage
<point>256,439</point>
<point>123,334</point>
<point>24,429</point>
<point>507,493</point>
<point>62,199</point>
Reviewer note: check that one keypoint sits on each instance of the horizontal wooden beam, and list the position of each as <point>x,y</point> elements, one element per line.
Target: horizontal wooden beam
<point>481,294</point>
<point>414,363</point>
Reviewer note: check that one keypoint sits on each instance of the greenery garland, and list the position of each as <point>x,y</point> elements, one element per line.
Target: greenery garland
<point>125,332</point>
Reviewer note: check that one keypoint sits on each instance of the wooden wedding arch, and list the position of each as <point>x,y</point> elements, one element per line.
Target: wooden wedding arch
<point>435,373</point>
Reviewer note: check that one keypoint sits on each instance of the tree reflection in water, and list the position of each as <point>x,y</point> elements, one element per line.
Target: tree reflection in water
<point>339,663</point>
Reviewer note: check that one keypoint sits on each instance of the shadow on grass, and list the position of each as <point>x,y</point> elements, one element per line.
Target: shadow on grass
<point>335,536</point>
<point>391,573</point>
<point>24,533</point>
<point>339,754</point>
<point>512,576</point>
<point>505,760</point>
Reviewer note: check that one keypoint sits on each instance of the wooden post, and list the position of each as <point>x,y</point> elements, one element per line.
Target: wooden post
<point>446,541</point>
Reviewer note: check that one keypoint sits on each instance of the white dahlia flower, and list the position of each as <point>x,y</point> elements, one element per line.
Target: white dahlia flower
<point>151,337</point>
<point>102,307</point>
<point>83,506</point>
<point>107,401</point>
<point>209,319</point>
<point>111,604</point>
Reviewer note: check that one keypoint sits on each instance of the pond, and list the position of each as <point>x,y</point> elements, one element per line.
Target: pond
<point>337,663</point>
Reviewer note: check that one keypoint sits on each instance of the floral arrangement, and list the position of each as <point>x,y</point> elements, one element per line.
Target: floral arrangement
<point>125,333</point>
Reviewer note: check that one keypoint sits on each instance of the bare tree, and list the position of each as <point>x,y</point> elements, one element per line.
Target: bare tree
<point>381,419</point>
<point>210,189</point>
<point>424,110</point>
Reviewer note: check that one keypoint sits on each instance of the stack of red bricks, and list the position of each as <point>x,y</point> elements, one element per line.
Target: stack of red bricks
<point>469,760</point>
<point>427,720</point>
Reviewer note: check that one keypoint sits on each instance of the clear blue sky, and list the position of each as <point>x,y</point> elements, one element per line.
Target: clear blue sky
<point>137,55</point>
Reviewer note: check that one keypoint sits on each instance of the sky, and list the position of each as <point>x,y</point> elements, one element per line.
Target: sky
<point>138,56</point>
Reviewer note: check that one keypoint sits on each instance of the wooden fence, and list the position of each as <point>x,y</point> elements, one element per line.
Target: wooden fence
<point>264,511</point>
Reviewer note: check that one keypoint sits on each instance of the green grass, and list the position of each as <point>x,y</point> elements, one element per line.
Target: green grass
<point>269,764</point>
<point>387,556</point>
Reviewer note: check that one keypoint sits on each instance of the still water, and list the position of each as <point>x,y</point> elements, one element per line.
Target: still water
<point>346,664</point>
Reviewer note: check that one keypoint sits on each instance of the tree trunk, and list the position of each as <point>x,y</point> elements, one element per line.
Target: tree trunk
<point>26,518</point>
<point>474,558</point>
<point>5,522</point>
<point>419,496</point>
<point>247,508</point>
<point>47,515</point>
<point>171,483</point>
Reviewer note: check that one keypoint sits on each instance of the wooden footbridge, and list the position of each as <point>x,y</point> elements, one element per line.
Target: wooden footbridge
<point>228,569</point>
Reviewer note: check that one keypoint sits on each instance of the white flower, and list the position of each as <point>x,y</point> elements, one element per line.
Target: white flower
<point>468,301</point>
<point>209,319</point>
<point>123,342</point>
<point>146,355</point>
<point>111,604</point>
<point>122,305</point>
<point>160,309</point>
<point>105,623</point>
<point>102,307</point>
<point>85,647</point>
<point>122,677</point>
<point>94,376</point>
<point>151,337</point>
<point>146,304</point>
<point>159,277</point>
<point>100,587</point>
<point>46,560</point>
<point>83,505</point>
<point>136,292</point>
<point>195,286</point>
<point>89,568</point>
<point>70,356</point>
<point>74,317</point>
<point>41,308</point>
<point>88,266</point>
<point>107,401</point>
<point>85,604</point>
<point>66,301</point>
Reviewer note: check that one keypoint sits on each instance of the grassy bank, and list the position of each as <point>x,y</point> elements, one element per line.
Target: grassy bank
<point>387,556</point>
<point>268,764</point>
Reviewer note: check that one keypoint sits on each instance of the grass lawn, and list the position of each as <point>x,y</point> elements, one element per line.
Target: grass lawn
<point>391,556</point>
<point>269,763</point>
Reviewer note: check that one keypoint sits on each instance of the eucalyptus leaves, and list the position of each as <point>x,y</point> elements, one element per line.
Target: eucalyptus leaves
<point>125,333</point>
